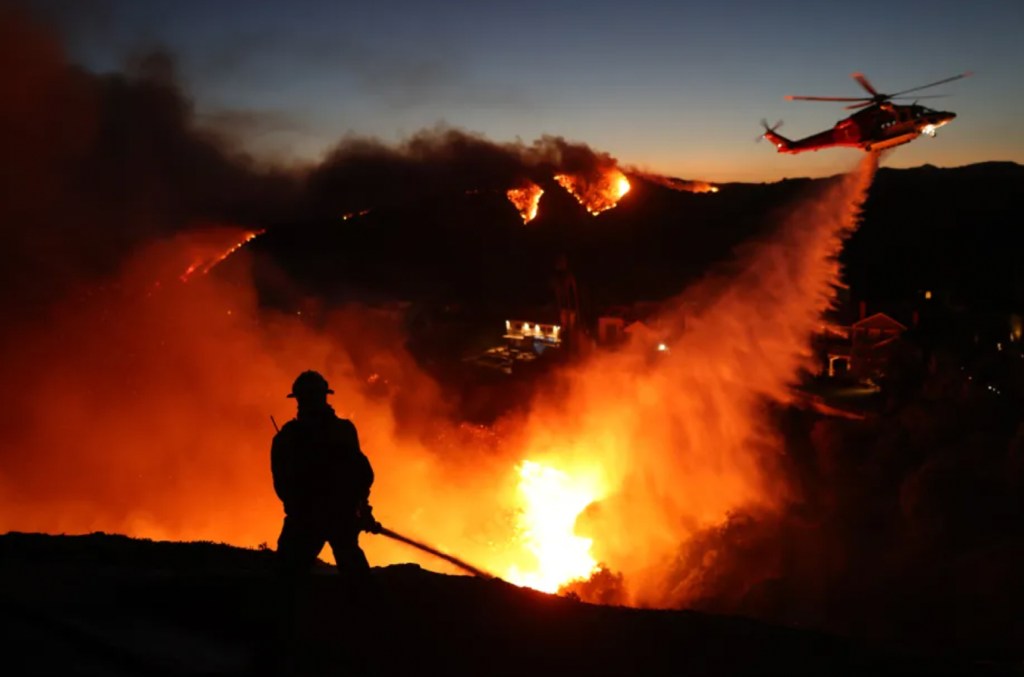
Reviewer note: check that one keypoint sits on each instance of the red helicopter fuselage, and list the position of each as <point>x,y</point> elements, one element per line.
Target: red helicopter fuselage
<point>875,128</point>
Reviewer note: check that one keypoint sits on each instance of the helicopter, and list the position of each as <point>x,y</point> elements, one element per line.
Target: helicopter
<point>879,124</point>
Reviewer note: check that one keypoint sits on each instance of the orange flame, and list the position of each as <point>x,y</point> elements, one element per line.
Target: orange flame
<point>552,501</point>
<point>526,200</point>
<point>354,215</point>
<point>204,263</point>
<point>597,195</point>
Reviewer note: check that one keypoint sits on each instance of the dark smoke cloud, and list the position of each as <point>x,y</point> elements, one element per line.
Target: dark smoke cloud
<point>362,172</point>
<point>94,166</point>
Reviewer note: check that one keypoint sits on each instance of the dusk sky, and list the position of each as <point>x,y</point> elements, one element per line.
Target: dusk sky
<point>674,87</point>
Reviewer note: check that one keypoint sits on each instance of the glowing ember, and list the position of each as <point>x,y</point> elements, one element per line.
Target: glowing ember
<point>599,194</point>
<point>526,200</point>
<point>206,264</point>
<point>552,502</point>
<point>355,215</point>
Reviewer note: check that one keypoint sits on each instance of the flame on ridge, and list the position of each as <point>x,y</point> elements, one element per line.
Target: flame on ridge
<point>204,264</point>
<point>596,194</point>
<point>680,185</point>
<point>526,200</point>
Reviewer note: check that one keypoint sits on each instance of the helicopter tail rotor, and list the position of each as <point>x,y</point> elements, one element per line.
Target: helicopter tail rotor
<point>767,129</point>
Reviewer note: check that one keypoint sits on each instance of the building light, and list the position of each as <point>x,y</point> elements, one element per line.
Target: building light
<point>928,294</point>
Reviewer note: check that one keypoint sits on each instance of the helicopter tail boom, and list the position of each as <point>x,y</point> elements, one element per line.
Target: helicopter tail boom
<point>781,143</point>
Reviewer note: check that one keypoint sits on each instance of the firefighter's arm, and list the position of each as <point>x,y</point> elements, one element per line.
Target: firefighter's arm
<point>361,467</point>
<point>363,475</point>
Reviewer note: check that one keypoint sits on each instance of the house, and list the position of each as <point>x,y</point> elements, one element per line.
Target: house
<point>524,336</point>
<point>872,340</point>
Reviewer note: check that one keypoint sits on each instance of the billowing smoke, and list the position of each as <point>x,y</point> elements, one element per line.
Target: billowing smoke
<point>363,173</point>
<point>96,165</point>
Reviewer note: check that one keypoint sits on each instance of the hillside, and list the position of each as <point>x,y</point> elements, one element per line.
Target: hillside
<point>922,226</point>
<point>109,605</point>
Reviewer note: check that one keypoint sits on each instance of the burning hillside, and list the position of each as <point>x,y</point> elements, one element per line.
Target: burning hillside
<point>173,389</point>
<point>634,460</point>
<point>206,261</point>
<point>158,286</point>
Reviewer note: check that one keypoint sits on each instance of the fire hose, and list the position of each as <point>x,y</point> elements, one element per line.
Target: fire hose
<point>468,568</point>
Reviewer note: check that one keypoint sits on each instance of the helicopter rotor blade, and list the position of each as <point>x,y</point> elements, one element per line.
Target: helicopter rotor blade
<point>858,105</point>
<point>926,96</point>
<point>863,82</point>
<point>791,97</point>
<point>932,84</point>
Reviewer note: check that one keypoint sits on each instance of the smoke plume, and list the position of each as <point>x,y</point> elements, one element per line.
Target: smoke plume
<point>362,173</point>
<point>98,165</point>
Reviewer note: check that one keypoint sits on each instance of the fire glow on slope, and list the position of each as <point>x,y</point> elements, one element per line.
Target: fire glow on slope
<point>207,261</point>
<point>597,193</point>
<point>673,183</point>
<point>526,200</point>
